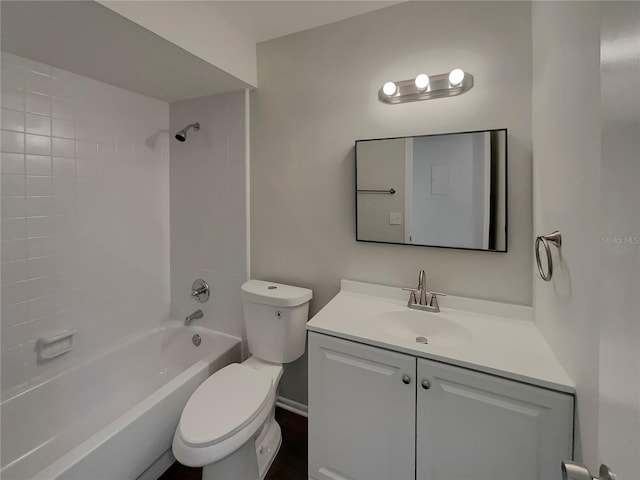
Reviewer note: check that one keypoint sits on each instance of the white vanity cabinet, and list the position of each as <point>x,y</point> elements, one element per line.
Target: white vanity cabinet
<point>474,426</point>
<point>376,414</point>
<point>361,411</point>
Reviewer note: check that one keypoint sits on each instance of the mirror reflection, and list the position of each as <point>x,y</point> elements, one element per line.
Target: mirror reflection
<point>444,190</point>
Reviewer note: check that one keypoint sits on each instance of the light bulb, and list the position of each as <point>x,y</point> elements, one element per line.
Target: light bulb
<point>422,81</point>
<point>455,77</point>
<point>389,88</point>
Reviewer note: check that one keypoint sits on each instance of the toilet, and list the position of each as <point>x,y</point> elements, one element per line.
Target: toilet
<point>228,425</point>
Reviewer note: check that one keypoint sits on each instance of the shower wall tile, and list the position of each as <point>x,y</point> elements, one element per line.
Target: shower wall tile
<point>208,228</point>
<point>38,186</point>
<point>12,120</point>
<point>63,147</point>
<point>11,163</point>
<point>38,83</point>
<point>37,124</point>
<point>13,250</point>
<point>38,165</point>
<point>37,103</point>
<point>85,216</point>
<point>62,108</point>
<point>12,98</point>
<point>37,144</point>
<point>13,184</point>
<point>63,128</point>
<point>14,229</point>
<point>14,207</point>
<point>12,142</point>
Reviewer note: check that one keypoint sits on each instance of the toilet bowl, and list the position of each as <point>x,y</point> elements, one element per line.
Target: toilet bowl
<point>228,425</point>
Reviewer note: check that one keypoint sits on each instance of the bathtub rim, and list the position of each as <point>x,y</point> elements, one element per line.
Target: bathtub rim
<point>59,466</point>
<point>166,325</point>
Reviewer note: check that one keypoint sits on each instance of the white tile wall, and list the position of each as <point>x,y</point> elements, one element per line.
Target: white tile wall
<point>208,226</point>
<point>85,215</point>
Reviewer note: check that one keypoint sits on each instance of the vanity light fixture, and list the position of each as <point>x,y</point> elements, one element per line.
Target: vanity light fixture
<point>455,77</point>
<point>422,82</point>
<point>389,89</point>
<point>426,87</point>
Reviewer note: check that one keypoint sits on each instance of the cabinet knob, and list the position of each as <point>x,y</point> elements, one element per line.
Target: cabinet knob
<point>406,379</point>
<point>425,384</point>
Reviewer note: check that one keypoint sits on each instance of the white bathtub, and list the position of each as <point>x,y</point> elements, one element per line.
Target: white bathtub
<point>113,416</point>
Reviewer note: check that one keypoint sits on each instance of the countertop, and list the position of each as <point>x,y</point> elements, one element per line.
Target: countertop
<point>500,339</point>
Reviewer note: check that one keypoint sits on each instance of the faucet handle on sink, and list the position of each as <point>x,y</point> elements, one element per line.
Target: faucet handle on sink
<point>433,299</point>
<point>412,298</point>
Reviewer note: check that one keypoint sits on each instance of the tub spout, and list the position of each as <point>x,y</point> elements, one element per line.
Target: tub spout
<point>194,316</point>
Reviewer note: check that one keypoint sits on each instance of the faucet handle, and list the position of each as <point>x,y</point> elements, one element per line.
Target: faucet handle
<point>433,299</point>
<point>412,298</point>
<point>437,294</point>
<point>200,290</point>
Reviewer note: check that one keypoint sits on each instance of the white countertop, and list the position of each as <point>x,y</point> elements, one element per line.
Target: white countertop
<point>499,338</point>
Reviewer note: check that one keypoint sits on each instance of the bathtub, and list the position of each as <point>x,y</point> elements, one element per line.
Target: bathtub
<point>114,416</point>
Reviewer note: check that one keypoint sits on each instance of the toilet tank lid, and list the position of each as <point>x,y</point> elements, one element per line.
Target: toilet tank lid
<point>275,294</point>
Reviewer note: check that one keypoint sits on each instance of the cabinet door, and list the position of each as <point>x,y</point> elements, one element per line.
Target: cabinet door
<point>472,426</point>
<point>361,412</point>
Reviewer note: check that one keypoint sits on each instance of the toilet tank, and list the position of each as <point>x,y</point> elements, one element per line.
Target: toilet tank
<point>275,317</point>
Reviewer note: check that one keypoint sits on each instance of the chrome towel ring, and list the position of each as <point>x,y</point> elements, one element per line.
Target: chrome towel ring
<point>554,238</point>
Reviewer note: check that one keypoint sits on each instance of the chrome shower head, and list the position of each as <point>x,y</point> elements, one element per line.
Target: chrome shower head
<point>181,136</point>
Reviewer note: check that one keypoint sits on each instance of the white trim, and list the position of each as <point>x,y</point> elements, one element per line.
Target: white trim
<point>247,178</point>
<point>292,406</point>
<point>408,188</point>
<point>486,221</point>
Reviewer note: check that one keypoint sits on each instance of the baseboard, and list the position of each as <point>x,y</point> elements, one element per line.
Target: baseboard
<point>292,406</point>
<point>158,467</point>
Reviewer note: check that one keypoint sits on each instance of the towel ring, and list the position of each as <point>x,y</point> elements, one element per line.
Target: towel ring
<point>554,238</point>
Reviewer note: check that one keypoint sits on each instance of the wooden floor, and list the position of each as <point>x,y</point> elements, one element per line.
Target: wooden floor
<point>289,464</point>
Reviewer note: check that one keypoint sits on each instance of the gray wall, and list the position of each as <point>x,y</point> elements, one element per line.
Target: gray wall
<point>566,134</point>
<point>619,407</point>
<point>318,93</point>
<point>586,176</point>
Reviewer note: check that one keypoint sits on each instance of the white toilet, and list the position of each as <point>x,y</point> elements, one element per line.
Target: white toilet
<point>228,425</point>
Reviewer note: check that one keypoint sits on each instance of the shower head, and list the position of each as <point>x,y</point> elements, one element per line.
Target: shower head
<point>181,136</point>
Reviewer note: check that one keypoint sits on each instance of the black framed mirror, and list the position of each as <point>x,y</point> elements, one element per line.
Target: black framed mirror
<point>446,190</point>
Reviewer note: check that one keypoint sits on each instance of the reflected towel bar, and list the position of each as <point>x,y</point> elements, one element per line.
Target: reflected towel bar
<point>391,191</point>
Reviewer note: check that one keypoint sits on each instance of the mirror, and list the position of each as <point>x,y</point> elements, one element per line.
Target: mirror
<point>446,190</point>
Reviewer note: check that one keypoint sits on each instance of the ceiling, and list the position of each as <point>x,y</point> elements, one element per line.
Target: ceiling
<point>265,20</point>
<point>90,39</point>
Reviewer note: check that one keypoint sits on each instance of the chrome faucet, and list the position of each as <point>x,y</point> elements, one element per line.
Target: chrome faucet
<point>421,299</point>
<point>422,288</point>
<point>194,316</point>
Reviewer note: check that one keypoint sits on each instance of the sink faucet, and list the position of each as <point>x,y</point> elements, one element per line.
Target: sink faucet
<point>420,299</point>
<point>422,288</point>
<point>194,316</point>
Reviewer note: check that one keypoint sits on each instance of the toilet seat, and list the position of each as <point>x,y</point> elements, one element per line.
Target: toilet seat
<point>224,404</point>
<point>223,413</point>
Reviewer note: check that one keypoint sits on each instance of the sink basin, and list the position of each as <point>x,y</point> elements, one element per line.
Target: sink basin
<point>409,325</point>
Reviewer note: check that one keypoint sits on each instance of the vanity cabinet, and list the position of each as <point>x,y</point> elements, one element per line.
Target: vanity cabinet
<point>361,411</point>
<point>376,414</point>
<point>474,426</point>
